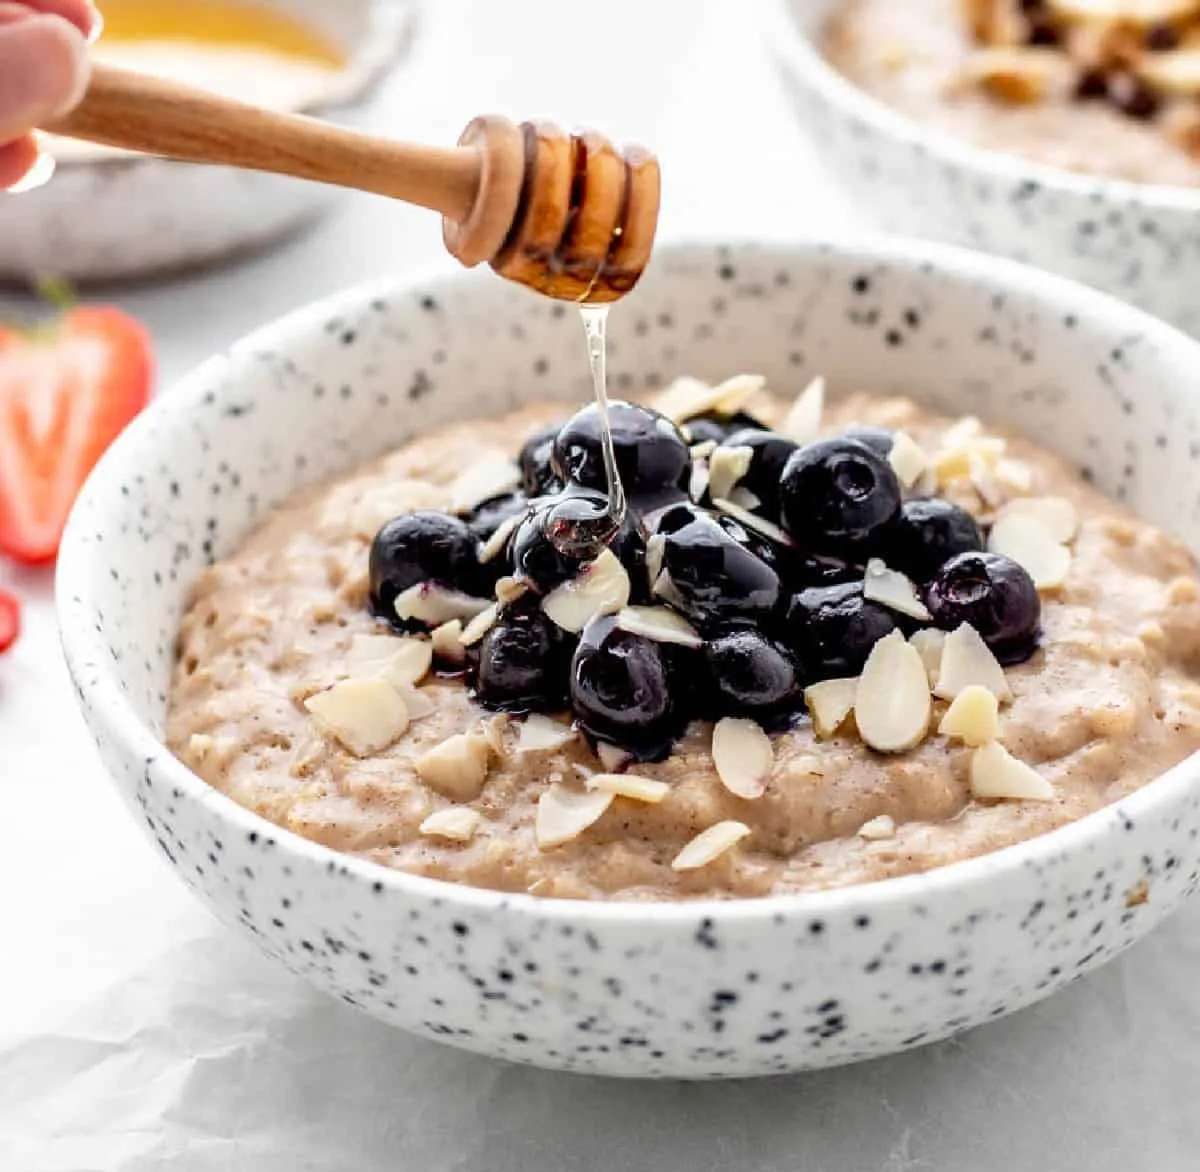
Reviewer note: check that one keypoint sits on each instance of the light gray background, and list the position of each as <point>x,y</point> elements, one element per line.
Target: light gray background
<point>136,1034</point>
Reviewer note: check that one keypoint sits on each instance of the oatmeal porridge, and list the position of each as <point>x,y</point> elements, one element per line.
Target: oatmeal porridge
<point>831,644</point>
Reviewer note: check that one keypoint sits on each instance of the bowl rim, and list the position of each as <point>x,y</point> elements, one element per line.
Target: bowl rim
<point>92,669</point>
<point>391,28</point>
<point>792,46</point>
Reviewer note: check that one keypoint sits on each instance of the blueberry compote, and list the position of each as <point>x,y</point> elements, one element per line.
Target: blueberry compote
<point>772,581</point>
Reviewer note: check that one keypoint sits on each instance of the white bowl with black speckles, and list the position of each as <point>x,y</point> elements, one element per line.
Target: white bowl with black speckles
<point>114,216</point>
<point>690,990</point>
<point>1138,241</point>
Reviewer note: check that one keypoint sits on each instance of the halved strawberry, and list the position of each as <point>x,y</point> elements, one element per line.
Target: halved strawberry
<point>66,392</point>
<point>10,621</point>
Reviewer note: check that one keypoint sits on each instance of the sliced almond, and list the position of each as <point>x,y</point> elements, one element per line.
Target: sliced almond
<point>929,643</point>
<point>702,451</point>
<point>726,467</point>
<point>698,480</point>
<point>973,717</point>
<point>365,716</point>
<point>418,703</point>
<point>688,397</point>
<point>907,458</point>
<point>612,757</point>
<point>829,703</point>
<point>602,587</point>
<point>458,767</point>
<point>446,641</point>
<point>736,391</point>
<point>742,756</point>
<point>878,828</point>
<point>1056,513</point>
<point>655,549</point>
<point>509,589</point>
<point>751,520</point>
<point>481,481</point>
<point>494,730</point>
<point>1013,475</point>
<point>199,746</point>
<point>368,653</point>
<point>803,422</point>
<point>495,545</point>
<point>1143,12</point>
<point>479,626</point>
<point>457,823</point>
<point>892,706</point>
<point>629,785</point>
<point>893,589</point>
<point>564,814</point>
<point>540,734</point>
<point>710,844</point>
<point>966,660</point>
<point>1031,544</point>
<point>402,662</point>
<point>996,773</point>
<point>1018,75</point>
<point>744,499</point>
<point>427,602</point>
<point>660,624</point>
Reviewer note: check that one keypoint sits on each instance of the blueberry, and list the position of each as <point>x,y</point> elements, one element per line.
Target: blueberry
<point>629,690</point>
<point>523,661</point>
<point>796,569</point>
<point>749,675</point>
<point>652,454</point>
<point>534,555</point>
<point>538,477</point>
<point>629,545</point>
<point>769,454</point>
<point>928,533</point>
<point>878,439</point>
<point>421,547</point>
<point>832,629</point>
<point>714,427</point>
<point>992,593</point>
<point>836,495</point>
<point>712,576</point>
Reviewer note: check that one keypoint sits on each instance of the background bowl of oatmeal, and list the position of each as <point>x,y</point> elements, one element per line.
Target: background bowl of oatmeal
<point>700,989</point>
<point>1137,240</point>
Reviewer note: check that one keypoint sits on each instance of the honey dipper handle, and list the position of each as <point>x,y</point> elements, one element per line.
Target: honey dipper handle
<point>151,115</point>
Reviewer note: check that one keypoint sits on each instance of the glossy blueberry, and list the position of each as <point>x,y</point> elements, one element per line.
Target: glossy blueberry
<point>837,495</point>
<point>629,545</point>
<point>533,552</point>
<point>750,675</point>
<point>832,629</point>
<point>421,547</point>
<point>538,477</point>
<point>796,569</point>
<point>928,533</point>
<point>878,439</point>
<point>523,661</point>
<point>651,452</point>
<point>628,690</point>
<point>712,576</point>
<point>992,593</point>
<point>769,454</point>
<point>714,427</point>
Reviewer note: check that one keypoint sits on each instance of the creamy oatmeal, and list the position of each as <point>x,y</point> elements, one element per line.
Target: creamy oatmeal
<point>1109,87</point>
<point>297,703</point>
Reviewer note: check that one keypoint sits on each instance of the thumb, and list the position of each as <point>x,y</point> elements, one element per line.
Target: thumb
<point>43,72</point>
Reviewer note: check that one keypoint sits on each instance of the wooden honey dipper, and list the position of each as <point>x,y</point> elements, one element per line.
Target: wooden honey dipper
<point>565,214</point>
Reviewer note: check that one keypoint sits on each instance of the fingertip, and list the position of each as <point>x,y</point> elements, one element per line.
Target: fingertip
<point>17,160</point>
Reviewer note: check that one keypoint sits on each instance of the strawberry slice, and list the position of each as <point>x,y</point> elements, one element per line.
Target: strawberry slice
<point>10,621</point>
<point>67,390</point>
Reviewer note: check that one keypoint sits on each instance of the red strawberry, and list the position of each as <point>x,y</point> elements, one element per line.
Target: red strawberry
<point>10,621</point>
<point>66,392</point>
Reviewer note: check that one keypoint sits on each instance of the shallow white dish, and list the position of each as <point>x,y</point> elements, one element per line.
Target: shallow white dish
<point>690,990</point>
<point>113,216</point>
<point>1137,241</point>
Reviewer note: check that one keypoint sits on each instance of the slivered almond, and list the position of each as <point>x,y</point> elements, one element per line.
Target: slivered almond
<point>199,745</point>
<point>726,467</point>
<point>479,626</point>
<point>655,549</point>
<point>966,660</point>
<point>1031,544</point>
<point>710,844</point>
<point>878,828</point>
<point>493,731</point>
<point>698,480</point>
<point>742,756</point>
<point>402,662</point>
<point>601,587</point>
<point>494,546</point>
<point>427,602</point>
<point>892,706</point>
<point>892,589</point>
<point>736,391</point>
<point>629,785</point>
<point>996,773</point>
<point>907,458</point>
<point>509,589</point>
<point>929,643</point>
<point>612,757</point>
<point>564,814</point>
<point>688,397</point>
<point>751,520</point>
<point>1057,514</point>
<point>457,823</point>
<point>481,481</point>
<point>703,450</point>
<point>660,624</point>
<point>540,733</point>
<point>829,703</point>
<point>744,499</point>
<point>973,717</point>
<point>803,422</point>
<point>458,767</point>
<point>446,641</point>
<point>365,716</point>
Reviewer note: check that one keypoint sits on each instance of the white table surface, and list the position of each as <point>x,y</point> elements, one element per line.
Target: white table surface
<point>138,1034</point>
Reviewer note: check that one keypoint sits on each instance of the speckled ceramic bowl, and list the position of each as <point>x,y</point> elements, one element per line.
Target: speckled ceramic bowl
<point>692,990</point>
<point>114,216</point>
<point>1137,241</point>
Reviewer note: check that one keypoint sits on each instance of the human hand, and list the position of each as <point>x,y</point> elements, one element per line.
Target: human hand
<point>43,73</point>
